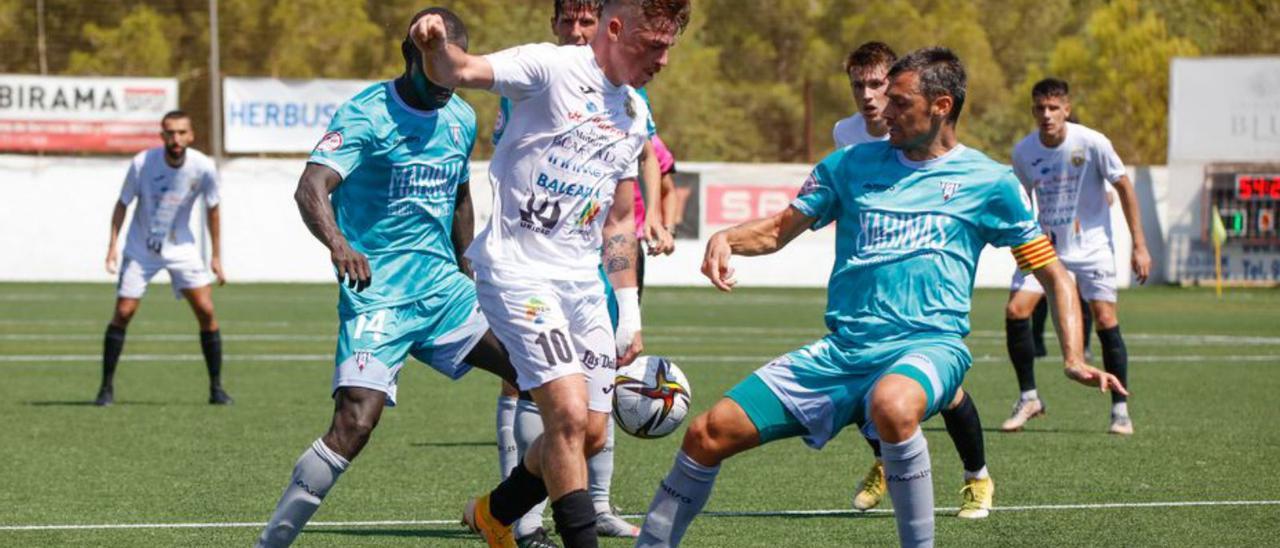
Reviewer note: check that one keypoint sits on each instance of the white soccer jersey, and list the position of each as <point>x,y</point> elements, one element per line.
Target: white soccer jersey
<point>853,131</point>
<point>162,219</point>
<point>570,137</point>
<point>1070,186</point>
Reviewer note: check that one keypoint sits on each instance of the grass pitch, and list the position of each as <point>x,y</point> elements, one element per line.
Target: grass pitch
<point>1205,374</point>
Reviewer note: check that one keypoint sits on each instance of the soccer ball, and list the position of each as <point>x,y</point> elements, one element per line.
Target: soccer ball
<point>650,397</point>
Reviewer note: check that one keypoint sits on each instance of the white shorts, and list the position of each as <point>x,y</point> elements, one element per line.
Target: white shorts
<point>1095,276</point>
<point>186,272</point>
<point>552,329</point>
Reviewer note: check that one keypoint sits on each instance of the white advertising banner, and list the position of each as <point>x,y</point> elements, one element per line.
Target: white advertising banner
<point>83,114</point>
<point>275,115</point>
<point>1224,109</point>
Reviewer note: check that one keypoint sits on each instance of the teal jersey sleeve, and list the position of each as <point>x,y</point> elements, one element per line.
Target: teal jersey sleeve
<point>1007,219</point>
<point>818,196</point>
<point>343,146</point>
<point>650,126</point>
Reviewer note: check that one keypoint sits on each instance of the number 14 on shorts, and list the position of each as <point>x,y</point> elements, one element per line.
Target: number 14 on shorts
<point>374,323</point>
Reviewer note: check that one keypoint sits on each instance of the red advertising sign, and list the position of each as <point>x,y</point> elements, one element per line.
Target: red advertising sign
<point>72,114</point>
<point>730,204</point>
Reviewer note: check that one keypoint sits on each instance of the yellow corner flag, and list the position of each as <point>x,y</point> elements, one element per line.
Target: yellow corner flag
<point>1219,236</point>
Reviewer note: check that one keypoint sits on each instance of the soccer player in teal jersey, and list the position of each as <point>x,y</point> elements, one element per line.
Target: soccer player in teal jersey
<point>386,190</point>
<point>912,216</point>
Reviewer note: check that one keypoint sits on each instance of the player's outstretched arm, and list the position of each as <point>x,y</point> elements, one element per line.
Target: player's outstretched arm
<point>446,64</point>
<point>464,227</point>
<point>1067,322</point>
<point>655,233</point>
<point>312,196</point>
<point>1133,217</point>
<point>620,264</point>
<point>215,242</point>
<point>758,237</point>
<point>117,221</point>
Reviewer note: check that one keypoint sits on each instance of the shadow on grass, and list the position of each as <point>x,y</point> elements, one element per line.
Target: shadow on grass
<point>874,514</point>
<point>999,432</point>
<point>452,444</point>
<point>89,403</point>
<point>389,532</point>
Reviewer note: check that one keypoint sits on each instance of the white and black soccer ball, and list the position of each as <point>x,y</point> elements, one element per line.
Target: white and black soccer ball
<point>650,397</point>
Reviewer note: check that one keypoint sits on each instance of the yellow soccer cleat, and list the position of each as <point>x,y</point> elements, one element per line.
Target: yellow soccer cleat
<point>978,495</point>
<point>477,518</point>
<point>872,488</point>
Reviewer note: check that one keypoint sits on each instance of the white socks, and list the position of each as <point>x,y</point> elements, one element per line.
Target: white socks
<point>313,475</point>
<point>680,497</point>
<point>1030,395</point>
<point>508,456</point>
<point>600,472</point>
<point>907,471</point>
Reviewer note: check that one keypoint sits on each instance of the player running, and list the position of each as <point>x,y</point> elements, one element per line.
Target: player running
<point>1069,166</point>
<point>387,191</point>
<point>574,22</point>
<point>912,216</point>
<point>166,181</point>
<point>868,71</point>
<point>562,190</point>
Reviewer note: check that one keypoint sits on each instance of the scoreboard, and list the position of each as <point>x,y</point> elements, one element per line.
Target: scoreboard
<point>1248,199</point>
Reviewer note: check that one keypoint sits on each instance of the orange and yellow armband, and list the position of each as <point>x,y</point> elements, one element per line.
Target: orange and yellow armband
<point>1035,254</point>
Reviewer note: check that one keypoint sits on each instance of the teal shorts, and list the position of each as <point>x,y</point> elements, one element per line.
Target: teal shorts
<point>439,330</point>
<point>817,390</point>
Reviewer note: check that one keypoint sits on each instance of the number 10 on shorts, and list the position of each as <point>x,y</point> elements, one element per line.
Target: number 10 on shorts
<point>555,346</point>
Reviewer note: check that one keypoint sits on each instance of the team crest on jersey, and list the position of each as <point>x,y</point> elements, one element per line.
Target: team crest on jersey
<point>330,142</point>
<point>500,123</point>
<point>1077,157</point>
<point>362,359</point>
<point>810,186</point>
<point>630,107</point>
<point>948,190</point>
<point>455,131</point>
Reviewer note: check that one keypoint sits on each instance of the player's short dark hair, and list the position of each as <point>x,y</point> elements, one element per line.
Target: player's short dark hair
<point>562,6</point>
<point>174,115</point>
<point>1051,87</point>
<point>675,12</point>
<point>453,26</point>
<point>870,54</point>
<point>941,73</point>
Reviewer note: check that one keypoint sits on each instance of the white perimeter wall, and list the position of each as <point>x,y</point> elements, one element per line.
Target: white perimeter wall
<point>57,214</point>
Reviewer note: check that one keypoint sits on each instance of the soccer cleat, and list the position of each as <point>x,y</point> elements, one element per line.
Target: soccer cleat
<point>871,490</point>
<point>218,396</point>
<point>1121,425</point>
<point>538,539</point>
<point>1023,411</point>
<point>978,494</point>
<point>477,518</point>
<point>608,524</point>
<point>106,396</point>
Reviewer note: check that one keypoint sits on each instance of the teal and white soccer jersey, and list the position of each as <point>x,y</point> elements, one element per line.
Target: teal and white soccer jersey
<point>401,169</point>
<point>908,237</point>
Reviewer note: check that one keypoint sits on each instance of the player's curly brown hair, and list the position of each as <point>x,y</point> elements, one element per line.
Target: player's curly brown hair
<point>660,12</point>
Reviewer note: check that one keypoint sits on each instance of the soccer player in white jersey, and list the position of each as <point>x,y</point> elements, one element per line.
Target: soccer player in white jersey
<point>868,69</point>
<point>911,217</point>
<point>166,181</point>
<point>1068,167</point>
<point>563,187</point>
<point>574,22</point>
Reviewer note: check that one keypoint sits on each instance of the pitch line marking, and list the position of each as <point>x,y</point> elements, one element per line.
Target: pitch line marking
<point>762,513</point>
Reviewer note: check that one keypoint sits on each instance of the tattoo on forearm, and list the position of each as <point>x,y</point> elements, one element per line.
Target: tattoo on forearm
<point>619,253</point>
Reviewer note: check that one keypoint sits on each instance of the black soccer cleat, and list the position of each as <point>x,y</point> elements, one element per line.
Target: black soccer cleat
<point>106,396</point>
<point>218,396</point>
<point>538,539</point>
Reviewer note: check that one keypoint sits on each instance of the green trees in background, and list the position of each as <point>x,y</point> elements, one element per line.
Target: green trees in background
<point>750,80</point>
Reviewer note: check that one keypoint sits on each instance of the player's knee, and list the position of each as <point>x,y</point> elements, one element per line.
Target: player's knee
<point>1105,319</point>
<point>895,414</point>
<point>569,424</point>
<point>1015,310</point>
<point>708,440</point>
<point>595,441</point>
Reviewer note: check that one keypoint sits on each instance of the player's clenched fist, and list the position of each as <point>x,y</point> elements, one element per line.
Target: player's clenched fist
<point>429,32</point>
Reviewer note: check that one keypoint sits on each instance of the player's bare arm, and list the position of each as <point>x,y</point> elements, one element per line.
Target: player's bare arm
<point>757,237</point>
<point>1067,320</point>
<point>464,227</point>
<point>215,241</point>
<point>446,64</point>
<point>312,196</point>
<point>117,221</point>
<point>655,233</point>
<point>668,203</point>
<point>620,263</point>
<point>1141,259</point>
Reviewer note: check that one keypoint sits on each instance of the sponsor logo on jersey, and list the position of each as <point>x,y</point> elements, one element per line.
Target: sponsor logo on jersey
<point>588,214</point>
<point>948,189</point>
<point>591,360</point>
<point>534,309</point>
<point>586,90</point>
<point>901,231</point>
<point>330,142</point>
<point>592,108</point>
<point>540,217</point>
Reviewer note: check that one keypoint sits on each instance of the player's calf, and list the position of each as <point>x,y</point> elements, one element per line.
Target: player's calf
<point>897,405</point>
